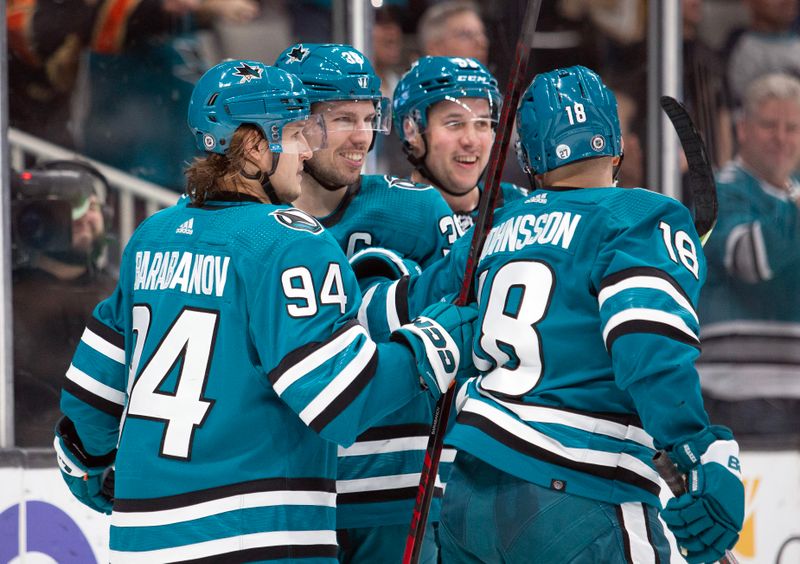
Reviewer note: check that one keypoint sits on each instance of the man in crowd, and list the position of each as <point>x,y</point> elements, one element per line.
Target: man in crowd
<point>750,310</point>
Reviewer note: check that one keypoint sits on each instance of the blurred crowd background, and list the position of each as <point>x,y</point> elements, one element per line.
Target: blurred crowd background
<point>110,81</point>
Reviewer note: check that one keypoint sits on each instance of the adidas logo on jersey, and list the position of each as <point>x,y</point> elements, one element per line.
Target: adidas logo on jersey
<point>187,227</point>
<point>537,199</point>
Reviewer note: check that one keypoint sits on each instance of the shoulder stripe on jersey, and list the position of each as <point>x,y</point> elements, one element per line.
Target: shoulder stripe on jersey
<point>94,386</point>
<point>303,360</point>
<point>272,553</point>
<point>392,312</point>
<point>404,486</point>
<point>632,518</point>
<point>395,432</point>
<point>366,299</point>
<point>111,408</point>
<point>339,393</point>
<point>630,420</point>
<point>746,253</point>
<point>269,545</point>
<point>653,279</point>
<point>646,271</point>
<point>106,333</point>
<point>588,423</point>
<point>383,446</point>
<point>237,502</point>
<point>401,300</point>
<point>526,440</point>
<point>380,496</point>
<point>654,327</point>
<point>102,346</point>
<point>388,438</point>
<point>644,320</point>
<point>321,485</point>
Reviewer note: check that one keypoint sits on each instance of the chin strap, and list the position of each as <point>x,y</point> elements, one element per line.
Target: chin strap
<point>326,185</point>
<point>263,179</point>
<point>419,164</point>
<point>619,166</point>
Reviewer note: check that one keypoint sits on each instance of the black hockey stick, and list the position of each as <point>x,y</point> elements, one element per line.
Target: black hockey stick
<point>704,196</point>
<point>701,176</point>
<point>483,224</point>
<point>677,485</point>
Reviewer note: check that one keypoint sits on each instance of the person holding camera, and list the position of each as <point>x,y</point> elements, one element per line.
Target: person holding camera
<point>58,239</point>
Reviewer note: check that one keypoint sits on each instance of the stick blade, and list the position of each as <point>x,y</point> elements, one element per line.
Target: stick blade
<point>701,175</point>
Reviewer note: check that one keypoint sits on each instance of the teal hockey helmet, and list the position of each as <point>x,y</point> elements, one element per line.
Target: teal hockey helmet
<point>334,72</point>
<point>237,92</point>
<point>566,115</point>
<point>433,79</point>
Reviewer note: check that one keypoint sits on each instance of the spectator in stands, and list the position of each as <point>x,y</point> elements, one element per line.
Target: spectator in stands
<point>453,29</point>
<point>705,91</point>
<point>387,48</point>
<point>46,40</point>
<point>143,132</point>
<point>769,44</point>
<point>54,292</point>
<point>750,307</point>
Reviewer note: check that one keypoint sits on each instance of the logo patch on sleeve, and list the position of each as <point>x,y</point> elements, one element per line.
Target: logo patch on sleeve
<point>297,220</point>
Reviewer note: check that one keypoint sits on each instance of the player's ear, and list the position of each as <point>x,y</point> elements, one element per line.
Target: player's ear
<point>412,134</point>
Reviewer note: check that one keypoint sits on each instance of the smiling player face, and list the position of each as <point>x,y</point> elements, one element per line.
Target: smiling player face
<point>350,129</point>
<point>459,139</point>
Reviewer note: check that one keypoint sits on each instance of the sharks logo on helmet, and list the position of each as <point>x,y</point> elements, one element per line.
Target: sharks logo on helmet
<point>297,220</point>
<point>297,54</point>
<point>247,72</point>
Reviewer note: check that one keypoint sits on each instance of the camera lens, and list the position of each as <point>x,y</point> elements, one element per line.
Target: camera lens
<point>34,225</point>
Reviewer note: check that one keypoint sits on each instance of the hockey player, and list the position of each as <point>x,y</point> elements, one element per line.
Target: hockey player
<point>445,112</point>
<point>404,225</point>
<point>228,362</point>
<point>586,341</point>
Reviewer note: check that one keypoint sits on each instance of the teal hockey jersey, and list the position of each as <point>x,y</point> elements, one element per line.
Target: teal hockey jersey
<point>586,342</point>
<point>398,214</point>
<point>379,473</point>
<point>508,193</point>
<point>230,363</point>
<point>750,306</point>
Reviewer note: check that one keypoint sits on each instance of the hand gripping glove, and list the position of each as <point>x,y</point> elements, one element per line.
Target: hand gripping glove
<point>375,263</point>
<point>441,340</point>
<point>83,473</point>
<point>707,519</point>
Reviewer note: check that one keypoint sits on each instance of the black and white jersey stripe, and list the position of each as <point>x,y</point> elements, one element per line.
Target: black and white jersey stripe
<point>349,355</point>
<point>97,368</point>
<point>680,323</point>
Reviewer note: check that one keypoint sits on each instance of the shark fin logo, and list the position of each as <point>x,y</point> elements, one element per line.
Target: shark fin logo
<point>297,220</point>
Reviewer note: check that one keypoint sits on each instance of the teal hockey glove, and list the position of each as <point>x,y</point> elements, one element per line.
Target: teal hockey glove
<point>83,472</point>
<point>441,340</point>
<point>707,519</point>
